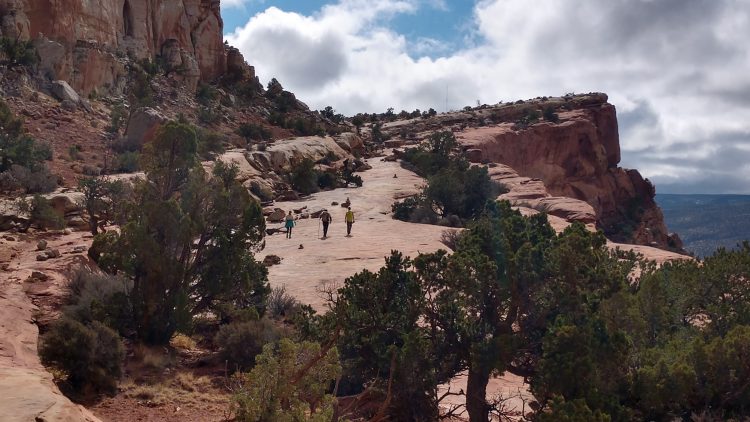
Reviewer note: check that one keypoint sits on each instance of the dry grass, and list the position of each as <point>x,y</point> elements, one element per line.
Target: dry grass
<point>182,342</point>
<point>184,389</point>
<point>156,358</point>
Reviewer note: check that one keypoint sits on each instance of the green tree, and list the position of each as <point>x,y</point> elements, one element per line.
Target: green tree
<point>188,240</point>
<point>290,382</point>
<point>102,200</point>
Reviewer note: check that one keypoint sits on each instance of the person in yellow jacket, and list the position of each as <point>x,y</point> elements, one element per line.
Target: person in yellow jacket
<point>349,218</point>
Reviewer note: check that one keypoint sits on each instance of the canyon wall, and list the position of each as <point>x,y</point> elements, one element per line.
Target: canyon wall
<point>87,42</point>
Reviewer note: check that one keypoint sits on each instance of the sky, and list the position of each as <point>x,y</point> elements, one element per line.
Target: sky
<point>678,71</point>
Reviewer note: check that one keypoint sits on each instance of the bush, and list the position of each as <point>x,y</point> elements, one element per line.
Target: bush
<point>254,132</point>
<point>21,178</point>
<point>304,178</point>
<point>327,180</point>
<point>41,213</point>
<point>450,238</point>
<point>240,342</point>
<point>101,298</point>
<point>205,94</point>
<point>550,115</point>
<point>116,118</point>
<point>266,393</point>
<point>19,52</point>
<point>91,357</point>
<point>127,162</point>
<point>208,115</point>
<point>280,303</point>
<point>209,143</point>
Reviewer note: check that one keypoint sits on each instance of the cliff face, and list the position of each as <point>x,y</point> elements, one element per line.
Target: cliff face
<point>84,42</point>
<point>578,158</point>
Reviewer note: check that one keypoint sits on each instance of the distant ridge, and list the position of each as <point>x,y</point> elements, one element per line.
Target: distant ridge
<point>707,221</point>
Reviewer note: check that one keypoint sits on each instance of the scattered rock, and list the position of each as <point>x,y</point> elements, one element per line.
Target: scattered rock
<point>347,203</point>
<point>299,210</point>
<point>68,105</point>
<point>79,249</point>
<point>42,257</point>
<point>305,215</point>
<point>51,253</point>
<point>63,92</point>
<point>41,245</point>
<point>37,276</point>
<point>143,125</point>
<point>9,238</point>
<point>272,231</point>
<point>334,203</point>
<point>301,247</point>
<point>288,195</point>
<point>270,260</point>
<point>277,216</point>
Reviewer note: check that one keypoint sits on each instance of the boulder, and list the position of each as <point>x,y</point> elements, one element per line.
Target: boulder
<point>143,125</point>
<point>41,245</point>
<point>474,155</point>
<point>63,92</point>
<point>277,216</point>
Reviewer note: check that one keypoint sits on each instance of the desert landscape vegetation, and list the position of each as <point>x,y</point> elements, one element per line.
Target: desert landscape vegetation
<point>501,264</point>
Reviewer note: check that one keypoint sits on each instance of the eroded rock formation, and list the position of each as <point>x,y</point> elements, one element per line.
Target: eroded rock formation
<point>86,43</point>
<point>578,158</point>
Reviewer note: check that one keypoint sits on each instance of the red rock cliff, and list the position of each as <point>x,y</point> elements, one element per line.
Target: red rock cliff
<point>578,157</point>
<point>84,41</point>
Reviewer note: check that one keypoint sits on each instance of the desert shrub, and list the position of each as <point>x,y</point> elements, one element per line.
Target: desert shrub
<point>18,52</point>
<point>205,94</point>
<point>327,180</point>
<point>141,93</point>
<point>209,143</point>
<point>90,356</point>
<point>127,162</point>
<point>74,152</point>
<point>280,303</point>
<point>403,210</point>
<point>208,115</point>
<point>266,393</point>
<point>117,117</point>
<point>254,132</point>
<point>550,115</point>
<point>41,213</point>
<point>21,157</point>
<point>241,342</point>
<point>24,179</point>
<point>101,298</point>
<point>304,177</point>
<point>450,238</point>
<point>354,178</point>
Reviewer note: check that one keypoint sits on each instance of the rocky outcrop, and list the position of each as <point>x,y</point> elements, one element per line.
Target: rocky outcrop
<point>577,157</point>
<point>84,42</point>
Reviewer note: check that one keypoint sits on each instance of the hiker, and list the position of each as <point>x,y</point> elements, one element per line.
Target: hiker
<point>289,225</point>
<point>326,219</point>
<point>349,218</point>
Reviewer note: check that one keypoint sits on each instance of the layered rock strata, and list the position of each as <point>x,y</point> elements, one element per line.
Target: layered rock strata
<point>577,157</point>
<point>86,43</point>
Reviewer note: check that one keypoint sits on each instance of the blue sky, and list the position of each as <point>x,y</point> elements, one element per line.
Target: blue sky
<point>677,70</point>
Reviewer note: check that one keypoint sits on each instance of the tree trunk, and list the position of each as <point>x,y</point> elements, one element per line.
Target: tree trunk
<point>476,395</point>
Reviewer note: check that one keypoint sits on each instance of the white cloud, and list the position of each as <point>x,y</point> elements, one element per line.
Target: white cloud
<point>239,4</point>
<point>676,69</point>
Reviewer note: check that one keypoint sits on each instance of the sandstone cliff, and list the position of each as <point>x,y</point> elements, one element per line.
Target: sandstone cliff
<point>86,42</point>
<point>575,157</point>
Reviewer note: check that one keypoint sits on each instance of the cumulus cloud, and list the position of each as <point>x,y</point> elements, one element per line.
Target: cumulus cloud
<point>675,69</point>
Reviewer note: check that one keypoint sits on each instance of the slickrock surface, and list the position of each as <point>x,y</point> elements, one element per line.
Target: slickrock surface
<point>374,235</point>
<point>27,392</point>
